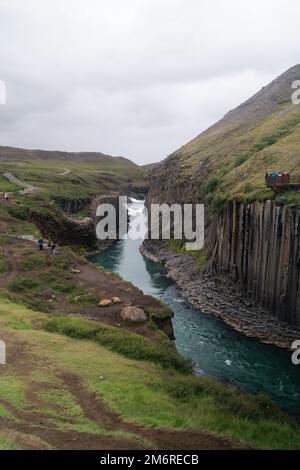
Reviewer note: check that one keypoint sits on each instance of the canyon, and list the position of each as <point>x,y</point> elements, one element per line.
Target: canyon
<point>247,275</point>
<point>252,233</point>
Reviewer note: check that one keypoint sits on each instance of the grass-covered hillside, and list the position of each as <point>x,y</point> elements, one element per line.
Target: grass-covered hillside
<point>49,184</point>
<point>66,174</point>
<point>71,384</point>
<point>230,159</point>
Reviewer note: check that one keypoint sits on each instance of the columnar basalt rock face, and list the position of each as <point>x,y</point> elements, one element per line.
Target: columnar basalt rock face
<point>64,229</point>
<point>258,246</point>
<point>68,229</point>
<point>113,200</point>
<point>73,206</point>
<point>255,246</point>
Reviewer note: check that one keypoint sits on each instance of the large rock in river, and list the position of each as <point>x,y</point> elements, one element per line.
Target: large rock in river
<point>133,314</point>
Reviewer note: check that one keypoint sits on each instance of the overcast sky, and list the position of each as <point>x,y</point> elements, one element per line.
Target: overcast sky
<point>137,78</point>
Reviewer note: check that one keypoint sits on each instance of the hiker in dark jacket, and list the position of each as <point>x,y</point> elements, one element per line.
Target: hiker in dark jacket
<point>41,244</point>
<point>53,250</point>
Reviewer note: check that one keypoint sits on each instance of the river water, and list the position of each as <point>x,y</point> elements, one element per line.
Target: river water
<point>216,349</point>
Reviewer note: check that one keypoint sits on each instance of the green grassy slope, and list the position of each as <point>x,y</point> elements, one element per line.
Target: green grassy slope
<point>230,159</point>
<point>50,359</point>
<point>90,173</point>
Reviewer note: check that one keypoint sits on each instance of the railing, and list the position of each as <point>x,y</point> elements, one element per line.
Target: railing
<point>283,180</point>
<point>294,179</point>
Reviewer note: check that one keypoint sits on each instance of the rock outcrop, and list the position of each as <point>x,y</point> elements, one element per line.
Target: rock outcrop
<point>72,206</point>
<point>258,247</point>
<point>61,226</point>
<point>64,229</point>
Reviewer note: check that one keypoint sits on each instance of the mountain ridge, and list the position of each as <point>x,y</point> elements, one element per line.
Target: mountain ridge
<point>8,152</point>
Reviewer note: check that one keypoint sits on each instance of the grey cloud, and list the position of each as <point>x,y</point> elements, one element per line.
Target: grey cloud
<point>136,78</point>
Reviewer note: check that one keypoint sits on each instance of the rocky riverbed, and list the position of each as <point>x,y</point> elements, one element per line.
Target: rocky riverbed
<point>219,297</point>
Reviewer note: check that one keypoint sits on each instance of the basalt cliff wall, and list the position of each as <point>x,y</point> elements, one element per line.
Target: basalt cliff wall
<point>60,225</point>
<point>257,246</point>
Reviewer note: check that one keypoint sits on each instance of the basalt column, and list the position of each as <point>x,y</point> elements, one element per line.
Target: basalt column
<point>258,246</point>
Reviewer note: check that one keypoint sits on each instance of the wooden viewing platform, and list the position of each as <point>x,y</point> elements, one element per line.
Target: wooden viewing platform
<point>282,180</point>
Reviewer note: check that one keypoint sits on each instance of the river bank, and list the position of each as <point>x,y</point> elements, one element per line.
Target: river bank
<point>220,298</point>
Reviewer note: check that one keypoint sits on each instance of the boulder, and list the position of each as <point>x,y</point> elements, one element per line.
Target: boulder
<point>116,300</point>
<point>105,303</point>
<point>133,314</point>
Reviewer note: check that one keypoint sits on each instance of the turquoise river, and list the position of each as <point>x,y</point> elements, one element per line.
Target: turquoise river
<point>216,349</point>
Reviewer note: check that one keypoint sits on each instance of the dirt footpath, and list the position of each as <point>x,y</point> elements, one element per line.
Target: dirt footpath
<point>41,431</point>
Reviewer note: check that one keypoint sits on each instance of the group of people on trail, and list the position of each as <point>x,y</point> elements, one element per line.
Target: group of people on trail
<point>51,246</point>
<point>275,174</point>
<point>277,177</point>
